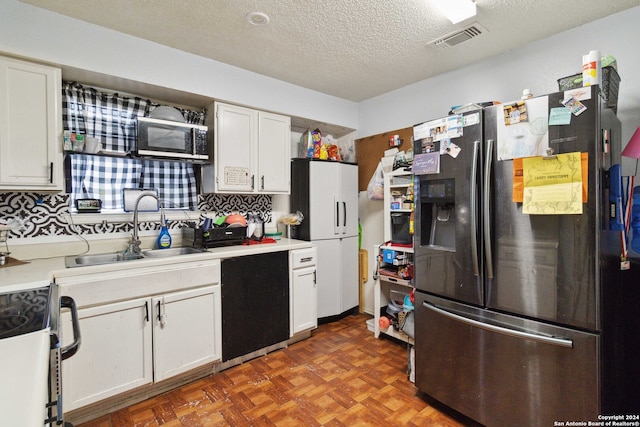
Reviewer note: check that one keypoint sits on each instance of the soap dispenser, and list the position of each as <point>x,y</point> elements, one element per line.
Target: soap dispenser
<point>164,238</point>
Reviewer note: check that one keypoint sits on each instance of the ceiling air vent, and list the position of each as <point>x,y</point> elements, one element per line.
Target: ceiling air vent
<point>459,36</point>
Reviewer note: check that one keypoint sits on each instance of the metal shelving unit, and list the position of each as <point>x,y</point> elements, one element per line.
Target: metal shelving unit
<point>392,272</point>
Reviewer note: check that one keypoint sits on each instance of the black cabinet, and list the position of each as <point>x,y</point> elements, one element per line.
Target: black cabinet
<point>255,303</point>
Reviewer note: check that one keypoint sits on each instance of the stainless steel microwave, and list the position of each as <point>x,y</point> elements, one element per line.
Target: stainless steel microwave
<point>172,139</point>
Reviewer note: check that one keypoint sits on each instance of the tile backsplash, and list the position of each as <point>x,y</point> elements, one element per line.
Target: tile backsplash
<point>44,214</point>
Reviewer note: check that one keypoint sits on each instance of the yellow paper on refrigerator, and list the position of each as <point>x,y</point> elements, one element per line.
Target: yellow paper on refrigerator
<point>553,186</point>
<point>517,195</point>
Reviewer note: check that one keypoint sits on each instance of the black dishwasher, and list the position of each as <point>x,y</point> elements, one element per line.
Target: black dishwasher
<point>255,303</point>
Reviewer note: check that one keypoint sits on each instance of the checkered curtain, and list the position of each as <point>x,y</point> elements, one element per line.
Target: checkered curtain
<point>98,177</point>
<point>109,117</point>
<point>176,183</point>
<point>104,178</point>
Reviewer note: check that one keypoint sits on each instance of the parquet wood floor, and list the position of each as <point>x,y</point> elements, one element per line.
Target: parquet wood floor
<point>341,376</point>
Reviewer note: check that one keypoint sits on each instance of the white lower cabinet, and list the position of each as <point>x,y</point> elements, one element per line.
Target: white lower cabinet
<point>185,331</point>
<point>115,354</point>
<point>304,291</point>
<point>140,326</point>
<point>133,343</point>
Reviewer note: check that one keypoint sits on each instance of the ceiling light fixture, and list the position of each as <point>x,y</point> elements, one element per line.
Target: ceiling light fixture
<point>456,10</point>
<point>258,18</point>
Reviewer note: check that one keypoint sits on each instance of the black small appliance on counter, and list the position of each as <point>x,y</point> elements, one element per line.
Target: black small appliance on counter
<point>214,237</point>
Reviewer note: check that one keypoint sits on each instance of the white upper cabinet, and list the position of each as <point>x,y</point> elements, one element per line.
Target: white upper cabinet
<point>30,126</point>
<point>274,153</point>
<point>252,151</point>
<point>234,154</point>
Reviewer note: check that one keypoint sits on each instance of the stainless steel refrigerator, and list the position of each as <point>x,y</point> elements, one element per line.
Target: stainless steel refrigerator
<point>516,322</point>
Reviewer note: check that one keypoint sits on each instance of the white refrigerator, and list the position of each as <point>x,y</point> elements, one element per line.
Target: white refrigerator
<point>326,193</point>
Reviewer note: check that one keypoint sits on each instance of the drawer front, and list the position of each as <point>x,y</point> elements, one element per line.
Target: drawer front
<point>302,258</point>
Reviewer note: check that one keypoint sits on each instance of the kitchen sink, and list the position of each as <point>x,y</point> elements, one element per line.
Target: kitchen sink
<point>162,253</point>
<point>97,259</point>
<point>121,256</point>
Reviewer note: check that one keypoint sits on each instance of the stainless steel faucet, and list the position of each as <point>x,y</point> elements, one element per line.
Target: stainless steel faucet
<point>134,244</point>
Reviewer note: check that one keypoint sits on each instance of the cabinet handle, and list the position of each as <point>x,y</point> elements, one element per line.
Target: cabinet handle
<point>314,278</point>
<point>252,182</point>
<point>262,182</point>
<point>162,313</point>
<point>344,210</point>
<point>51,173</point>
<point>146,311</point>
<point>306,259</point>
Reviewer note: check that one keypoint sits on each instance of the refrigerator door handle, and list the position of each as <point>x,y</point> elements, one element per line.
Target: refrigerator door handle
<point>562,342</point>
<point>487,209</point>
<point>473,202</point>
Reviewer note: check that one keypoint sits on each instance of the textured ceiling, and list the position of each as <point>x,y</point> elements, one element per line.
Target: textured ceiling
<point>352,49</point>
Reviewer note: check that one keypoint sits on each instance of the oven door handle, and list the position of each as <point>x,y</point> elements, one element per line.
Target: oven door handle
<point>71,349</point>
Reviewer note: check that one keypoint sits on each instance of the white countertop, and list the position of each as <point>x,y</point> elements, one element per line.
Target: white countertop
<point>40,272</point>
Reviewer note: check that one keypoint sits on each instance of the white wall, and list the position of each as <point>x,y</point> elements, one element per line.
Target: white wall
<point>536,66</point>
<point>371,214</point>
<point>39,34</point>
